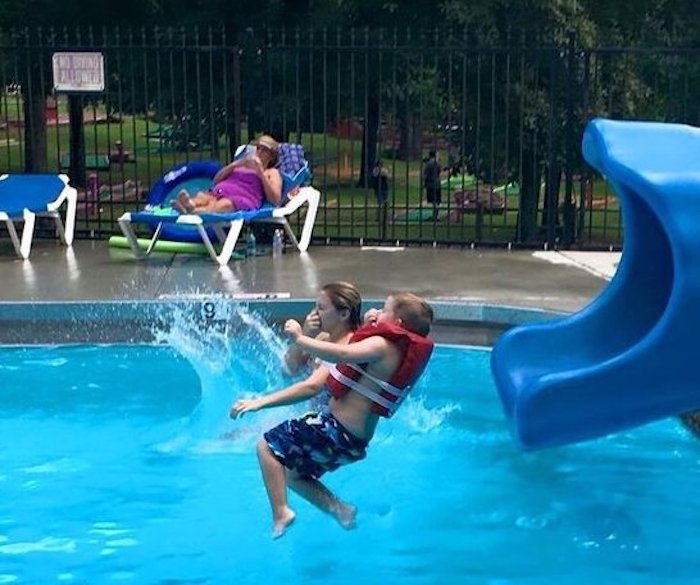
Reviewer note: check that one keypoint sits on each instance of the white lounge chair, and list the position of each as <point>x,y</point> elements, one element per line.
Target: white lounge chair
<point>223,228</point>
<point>23,197</point>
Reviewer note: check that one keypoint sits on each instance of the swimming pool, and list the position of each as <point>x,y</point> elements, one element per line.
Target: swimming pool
<point>119,464</point>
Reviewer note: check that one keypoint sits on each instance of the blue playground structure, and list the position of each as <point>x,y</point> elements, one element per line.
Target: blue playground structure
<point>628,357</point>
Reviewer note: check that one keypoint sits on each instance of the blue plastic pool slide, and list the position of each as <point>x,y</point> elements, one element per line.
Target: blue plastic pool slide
<point>630,356</point>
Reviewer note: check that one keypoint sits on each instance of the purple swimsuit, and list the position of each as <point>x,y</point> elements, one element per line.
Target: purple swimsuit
<point>243,188</point>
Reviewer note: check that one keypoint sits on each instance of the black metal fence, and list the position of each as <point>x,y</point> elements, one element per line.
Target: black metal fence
<point>505,123</point>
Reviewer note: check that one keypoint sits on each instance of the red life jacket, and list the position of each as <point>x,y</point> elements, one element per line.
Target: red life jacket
<point>386,395</point>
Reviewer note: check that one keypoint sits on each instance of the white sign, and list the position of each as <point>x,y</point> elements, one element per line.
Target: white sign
<point>78,72</point>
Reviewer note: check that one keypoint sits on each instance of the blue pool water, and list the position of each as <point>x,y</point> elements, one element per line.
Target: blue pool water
<point>118,464</point>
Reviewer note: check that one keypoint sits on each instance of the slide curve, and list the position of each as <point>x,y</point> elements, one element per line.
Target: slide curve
<point>629,357</point>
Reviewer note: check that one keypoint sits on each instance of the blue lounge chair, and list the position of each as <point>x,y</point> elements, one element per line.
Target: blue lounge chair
<point>223,228</point>
<point>24,197</point>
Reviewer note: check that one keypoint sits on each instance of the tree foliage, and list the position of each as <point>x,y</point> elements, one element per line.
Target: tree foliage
<point>629,22</point>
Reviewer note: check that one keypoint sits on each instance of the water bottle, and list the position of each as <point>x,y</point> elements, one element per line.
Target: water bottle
<point>250,244</point>
<point>277,244</point>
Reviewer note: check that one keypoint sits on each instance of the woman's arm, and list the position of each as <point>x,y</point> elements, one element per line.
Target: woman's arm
<point>272,185</point>
<point>291,395</point>
<point>225,172</point>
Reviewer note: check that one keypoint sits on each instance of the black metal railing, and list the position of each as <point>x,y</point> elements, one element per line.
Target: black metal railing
<point>505,122</point>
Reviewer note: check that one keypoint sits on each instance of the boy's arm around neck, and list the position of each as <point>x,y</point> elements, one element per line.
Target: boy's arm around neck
<point>371,349</point>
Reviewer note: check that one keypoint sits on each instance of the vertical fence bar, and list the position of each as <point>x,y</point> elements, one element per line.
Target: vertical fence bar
<point>382,211</point>
<point>53,42</point>
<point>213,122</point>
<point>19,101</point>
<point>198,92</point>
<point>6,87</point>
<point>324,127</point>
<point>367,156</point>
<point>297,85</point>
<point>106,104</point>
<point>285,98</point>
<point>237,109</point>
<point>521,146</point>
<point>569,207</point>
<point>337,125</point>
<point>181,124</point>
<point>160,109</point>
<point>464,167</point>
<point>553,170</point>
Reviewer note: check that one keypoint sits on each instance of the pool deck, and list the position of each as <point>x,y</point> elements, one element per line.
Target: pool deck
<point>90,270</point>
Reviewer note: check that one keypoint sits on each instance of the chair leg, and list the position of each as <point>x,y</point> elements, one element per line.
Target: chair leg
<point>128,230</point>
<point>23,246</point>
<point>60,230</point>
<point>64,228</point>
<point>71,208</point>
<point>154,239</point>
<point>307,230</point>
<point>229,243</point>
<point>290,233</point>
<point>9,224</point>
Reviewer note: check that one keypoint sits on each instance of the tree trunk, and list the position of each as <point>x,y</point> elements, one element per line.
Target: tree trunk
<point>410,136</point>
<point>526,228</point>
<point>550,217</point>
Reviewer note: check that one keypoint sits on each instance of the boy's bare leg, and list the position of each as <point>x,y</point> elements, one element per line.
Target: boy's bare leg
<point>274,476</point>
<point>320,496</point>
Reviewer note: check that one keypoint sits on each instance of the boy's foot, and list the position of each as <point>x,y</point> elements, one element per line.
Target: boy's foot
<point>281,524</point>
<point>346,515</point>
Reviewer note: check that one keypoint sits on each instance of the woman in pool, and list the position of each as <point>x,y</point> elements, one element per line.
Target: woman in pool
<point>335,318</point>
<point>241,185</point>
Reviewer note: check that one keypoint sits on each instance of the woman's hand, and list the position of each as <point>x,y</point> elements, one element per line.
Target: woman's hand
<point>312,324</point>
<point>240,407</point>
<point>251,162</point>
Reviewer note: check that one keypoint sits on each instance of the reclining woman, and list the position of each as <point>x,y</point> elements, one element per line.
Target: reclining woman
<point>242,185</point>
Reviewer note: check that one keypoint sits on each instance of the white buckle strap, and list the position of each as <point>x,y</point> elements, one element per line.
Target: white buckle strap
<point>362,389</point>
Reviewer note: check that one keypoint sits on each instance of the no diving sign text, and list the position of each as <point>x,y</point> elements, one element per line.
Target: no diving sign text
<point>78,72</point>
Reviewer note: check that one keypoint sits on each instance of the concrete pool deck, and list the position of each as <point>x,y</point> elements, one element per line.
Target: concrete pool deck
<point>92,271</point>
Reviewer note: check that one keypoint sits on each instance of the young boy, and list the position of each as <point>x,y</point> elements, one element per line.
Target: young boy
<point>372,375</point>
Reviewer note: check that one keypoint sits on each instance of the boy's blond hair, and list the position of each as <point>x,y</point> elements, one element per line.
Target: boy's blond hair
<point>415,313</point>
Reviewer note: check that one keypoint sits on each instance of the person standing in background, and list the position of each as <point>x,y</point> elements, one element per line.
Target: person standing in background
<point>380,183</point>
<point>431,182</point>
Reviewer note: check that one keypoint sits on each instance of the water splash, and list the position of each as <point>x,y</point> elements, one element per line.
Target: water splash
<point>234,352</point>
<point>419,418</point>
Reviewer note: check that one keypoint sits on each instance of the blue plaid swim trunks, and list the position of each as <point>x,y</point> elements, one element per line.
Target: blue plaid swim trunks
<point>314,444</point>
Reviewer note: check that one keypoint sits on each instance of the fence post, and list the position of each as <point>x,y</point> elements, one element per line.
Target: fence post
<point>77,140</point>
<point>569,214</point>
